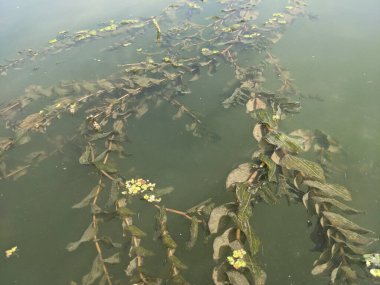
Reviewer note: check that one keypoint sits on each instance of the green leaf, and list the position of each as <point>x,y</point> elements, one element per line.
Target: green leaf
<point>198,207</point>
<point>108,243</point>
<point>271,166</point>
<point>329,190</point>
<point>193,233</point>
<point>95,273</point>
<point>124,212</point>
<point>266,193</point>
<point>135,231</point>
<point>284,141</point>
<point>336,203</point>
<point>245,226</point>
<point>177,262</point>
<point>88,235</point>
<point>141,251</point>
<point>99,136</point>
<point>216,215</point>
<point>101,156</point>
<point>244,198</point>
<point>86,157</point>
<point>168,241</point>
<point>341,222</point>
<point>163,191</point>
<point>113,259</point>
<point>309,169</point>
<point>105,167</point>
<point>178,279</point>
<point>114,193</point>
<point>86,201</point>
<point>263,116</point>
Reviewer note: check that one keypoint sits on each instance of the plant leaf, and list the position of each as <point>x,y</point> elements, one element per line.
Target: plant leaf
<point>319,269</point>
<point>131,267</point>
<point>193,233</point>
<point>356,238</point>
<point>86,201</point>
<point>86,156</point>
<point>88,235</point>
<point>284,141</point>
<point>339,221</point>
<point>336,203</point>
<point>95,273</point>
<point>135,231</point>
<point>263,116</point>
<point>163,191</point>
<point>308,168</point>
<point>238,175</point>
<point>105,167</point>
<point>141,251</point>
<point>271,166</point>
<point>221,241</point>
<point>168,241</point>
<point>237,278</point>
<point>349,273</point>
<point>114,193</point>
<point>124,212</point>
<point>257,131</point>
<point>216,215</point>
<point>334,274</point>
<point>113,259</point>
<point>99,136</point>
<point>329,190</point>
<point>218,274</point>
<point>177,262</point>
<point>101,156</point>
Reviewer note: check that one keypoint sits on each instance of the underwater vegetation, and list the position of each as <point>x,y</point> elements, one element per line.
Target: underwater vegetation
<point>293,165</point>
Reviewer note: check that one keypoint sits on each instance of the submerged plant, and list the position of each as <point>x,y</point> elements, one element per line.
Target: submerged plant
<point>278,167</point>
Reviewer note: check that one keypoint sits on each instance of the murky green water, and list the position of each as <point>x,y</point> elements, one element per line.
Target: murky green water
<point>332,57</point>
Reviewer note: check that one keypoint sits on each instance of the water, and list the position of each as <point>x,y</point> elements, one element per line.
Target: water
<point>334,58</point>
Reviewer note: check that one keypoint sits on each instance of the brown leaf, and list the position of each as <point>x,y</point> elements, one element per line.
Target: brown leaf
<point>356,238</point>
<point>319,269</point>
<point>336,203</point>
<point>239,174</point>
<point>216,215</point>
<point>221,241</point>
<point>257,132</point>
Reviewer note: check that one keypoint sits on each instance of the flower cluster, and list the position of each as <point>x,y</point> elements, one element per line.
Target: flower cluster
<point>151,198</point>
<point>139,186</point>
<point>10,252</point>
<point>237,259</point>
<point>375,272</point>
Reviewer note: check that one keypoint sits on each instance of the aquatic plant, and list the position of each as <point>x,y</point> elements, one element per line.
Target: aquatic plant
<point>278,167</point>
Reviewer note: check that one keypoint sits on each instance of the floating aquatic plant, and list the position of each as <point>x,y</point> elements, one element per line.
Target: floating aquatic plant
<point>278,167</point>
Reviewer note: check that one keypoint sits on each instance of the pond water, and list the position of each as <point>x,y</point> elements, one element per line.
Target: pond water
<point>332,55</point>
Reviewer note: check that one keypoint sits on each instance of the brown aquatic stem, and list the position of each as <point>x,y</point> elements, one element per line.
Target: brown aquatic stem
<point>94,223</point>
<point>176,212</point>
<point>15,172</point>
